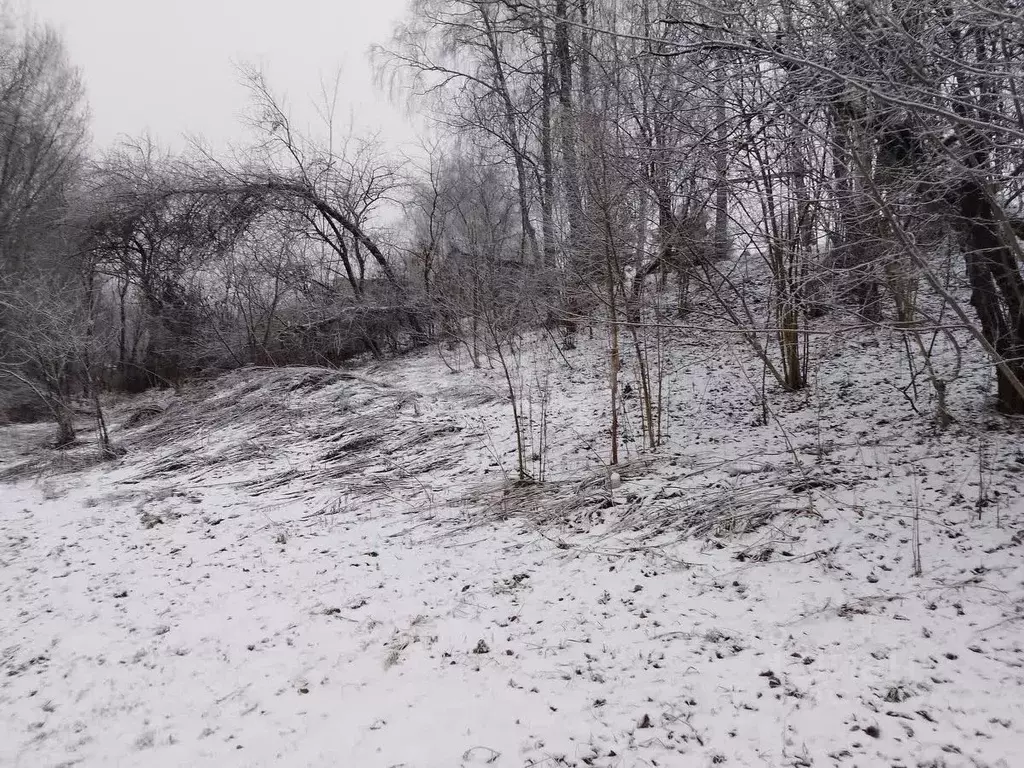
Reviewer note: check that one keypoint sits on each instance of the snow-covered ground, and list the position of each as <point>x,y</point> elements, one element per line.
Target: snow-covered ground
<point>306,568</point>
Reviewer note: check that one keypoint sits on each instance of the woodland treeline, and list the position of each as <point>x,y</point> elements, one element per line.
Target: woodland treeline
<point>771,169</point>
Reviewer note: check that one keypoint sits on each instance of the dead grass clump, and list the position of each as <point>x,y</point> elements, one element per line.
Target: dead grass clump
<point>575,501</point>
<point>711,504</point>
<point>78,457</point>
<point>720,512</point>
<point>331,426</point>
<point>139,416</point>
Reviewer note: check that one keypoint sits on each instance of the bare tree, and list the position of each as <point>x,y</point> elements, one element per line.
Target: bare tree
<point>491,70</point>
<point>42,138</point>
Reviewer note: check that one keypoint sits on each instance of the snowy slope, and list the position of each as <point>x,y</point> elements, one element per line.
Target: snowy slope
<point>310,568</point>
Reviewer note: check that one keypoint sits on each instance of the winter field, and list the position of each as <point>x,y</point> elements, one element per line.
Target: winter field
<point>304,567</point>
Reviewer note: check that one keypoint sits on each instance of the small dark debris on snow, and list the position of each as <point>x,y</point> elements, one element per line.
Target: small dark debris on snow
<point>149,520</point>
<point>482,647</point>
<point>897,694</point>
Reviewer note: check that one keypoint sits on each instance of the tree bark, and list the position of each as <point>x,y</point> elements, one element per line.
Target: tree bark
<point>567,131</point>
<point>997,291</point>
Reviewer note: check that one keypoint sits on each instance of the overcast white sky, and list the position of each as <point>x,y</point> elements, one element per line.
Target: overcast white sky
<point>169,66</point>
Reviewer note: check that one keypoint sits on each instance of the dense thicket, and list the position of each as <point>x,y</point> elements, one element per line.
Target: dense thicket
<point>770,168</point>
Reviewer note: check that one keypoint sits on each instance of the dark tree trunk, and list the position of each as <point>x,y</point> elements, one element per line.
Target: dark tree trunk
<point>997,292</point>
<point>547,186</point>
<point>65,422</point>
<point>721,245</point>
<point>567,130</point>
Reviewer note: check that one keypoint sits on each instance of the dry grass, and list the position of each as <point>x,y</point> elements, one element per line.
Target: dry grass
<point>331,426</point>
<point>290,430</point>
<point>577,500</point>
<point>716,501</point>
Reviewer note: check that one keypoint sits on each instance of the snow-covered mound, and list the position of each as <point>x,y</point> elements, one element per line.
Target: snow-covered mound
<point>304,567</point>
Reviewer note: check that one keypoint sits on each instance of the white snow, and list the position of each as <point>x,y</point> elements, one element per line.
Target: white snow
<point>237,594</point>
